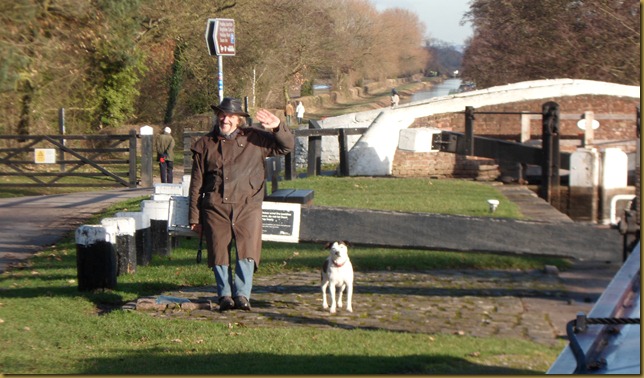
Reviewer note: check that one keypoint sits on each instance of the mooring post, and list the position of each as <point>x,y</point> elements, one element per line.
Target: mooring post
<point>289,167</point>
<point>344,152</point>
<point>469,130</point>
<point>550,148</point>
<point>314,167</point>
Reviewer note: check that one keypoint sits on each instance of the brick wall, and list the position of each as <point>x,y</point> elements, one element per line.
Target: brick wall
<point>508,127</point>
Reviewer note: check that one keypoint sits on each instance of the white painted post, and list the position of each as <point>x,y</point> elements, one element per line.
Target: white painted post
<point>147,155</point>
<point>142,236</point>
<point>122,233</point>
<point>185,185</point>
<point>589,133</point>
<point>157,211</point>
<point>525,127</point>
<point>584,180</point>
<point>614,180</point>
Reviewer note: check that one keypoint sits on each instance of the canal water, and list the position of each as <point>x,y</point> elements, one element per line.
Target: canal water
<point>441,89</point>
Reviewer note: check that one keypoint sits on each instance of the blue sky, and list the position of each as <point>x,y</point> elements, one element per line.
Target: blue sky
<point>441,17</point>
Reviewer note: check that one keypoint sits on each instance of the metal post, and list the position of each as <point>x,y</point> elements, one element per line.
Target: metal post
<point>289,167</point>
<point>220,76</point>
<point>61,127</point>
<point>550,128</point>
<point>344,153</point>
<point>314,164</point>
<point>469,130</point>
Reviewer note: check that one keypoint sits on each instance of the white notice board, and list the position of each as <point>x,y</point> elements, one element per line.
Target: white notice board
<point>45,155</point>
<point>281,221</point>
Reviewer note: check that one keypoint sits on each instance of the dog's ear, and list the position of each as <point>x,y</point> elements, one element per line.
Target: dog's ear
<point>347,243</point>
<point>328,245</point>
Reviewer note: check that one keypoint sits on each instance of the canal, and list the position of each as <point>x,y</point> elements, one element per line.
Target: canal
<point>438,90</point>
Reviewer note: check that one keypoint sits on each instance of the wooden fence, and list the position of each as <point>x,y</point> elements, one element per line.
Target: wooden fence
<point>68,160</point>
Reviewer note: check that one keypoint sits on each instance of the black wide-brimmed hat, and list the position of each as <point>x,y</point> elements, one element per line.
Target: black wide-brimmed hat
<point>230,106</point>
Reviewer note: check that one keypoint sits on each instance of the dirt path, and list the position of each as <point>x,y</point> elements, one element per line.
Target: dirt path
<point>376,100</point>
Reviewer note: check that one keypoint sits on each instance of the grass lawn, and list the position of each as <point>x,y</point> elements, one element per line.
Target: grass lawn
<point>49,327</point>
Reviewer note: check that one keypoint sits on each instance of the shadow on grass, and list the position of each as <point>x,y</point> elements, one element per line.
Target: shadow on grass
<point>159,361</point>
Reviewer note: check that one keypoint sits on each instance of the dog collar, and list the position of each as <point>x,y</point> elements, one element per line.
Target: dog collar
<point>339,265</point>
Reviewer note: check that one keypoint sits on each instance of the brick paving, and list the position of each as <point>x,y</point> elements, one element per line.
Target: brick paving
<point>533,305</point>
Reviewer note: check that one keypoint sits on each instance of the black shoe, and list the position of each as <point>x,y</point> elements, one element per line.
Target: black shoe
<point>242,303</point>
<point>226,303</point>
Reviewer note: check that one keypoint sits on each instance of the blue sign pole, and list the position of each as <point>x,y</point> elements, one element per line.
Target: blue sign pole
<point>220,77</point>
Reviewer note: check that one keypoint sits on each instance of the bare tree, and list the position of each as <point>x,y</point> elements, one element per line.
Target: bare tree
<point>517,40</point>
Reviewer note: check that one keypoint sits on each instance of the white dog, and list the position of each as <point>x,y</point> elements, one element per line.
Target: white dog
<point>337,274</point>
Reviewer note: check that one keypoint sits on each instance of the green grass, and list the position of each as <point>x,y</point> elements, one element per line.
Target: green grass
<point>443,196</point>
<point>48,327</point>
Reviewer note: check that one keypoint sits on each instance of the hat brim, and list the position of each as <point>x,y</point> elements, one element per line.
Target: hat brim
<point>218,110</point>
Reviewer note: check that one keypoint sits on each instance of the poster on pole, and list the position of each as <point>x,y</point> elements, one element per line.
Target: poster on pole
<point>220,36</point>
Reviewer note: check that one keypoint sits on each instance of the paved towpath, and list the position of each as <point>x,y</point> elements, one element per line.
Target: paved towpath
<point>29,224</point>
<point>534,305</point>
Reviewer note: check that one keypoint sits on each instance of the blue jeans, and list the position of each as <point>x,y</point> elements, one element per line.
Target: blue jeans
<point>243,279</point>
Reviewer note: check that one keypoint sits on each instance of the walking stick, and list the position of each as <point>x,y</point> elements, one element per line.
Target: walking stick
<point>200,232</point>
<point>200,246</point>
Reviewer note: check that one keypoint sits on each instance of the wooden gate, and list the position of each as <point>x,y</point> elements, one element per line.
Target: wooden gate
<point>68,160</point>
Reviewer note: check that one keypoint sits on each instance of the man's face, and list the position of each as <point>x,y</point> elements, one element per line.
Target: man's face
<point>228,123</point>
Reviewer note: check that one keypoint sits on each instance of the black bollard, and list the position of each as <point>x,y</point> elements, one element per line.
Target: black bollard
<point>95,258</point>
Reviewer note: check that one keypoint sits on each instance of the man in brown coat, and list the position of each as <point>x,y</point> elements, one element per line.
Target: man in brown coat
<point>226,194</point>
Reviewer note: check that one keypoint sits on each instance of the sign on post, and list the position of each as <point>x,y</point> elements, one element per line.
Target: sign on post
<point>220,36</point>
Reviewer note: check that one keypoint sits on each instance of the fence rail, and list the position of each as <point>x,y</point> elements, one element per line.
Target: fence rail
<point>47,160</point>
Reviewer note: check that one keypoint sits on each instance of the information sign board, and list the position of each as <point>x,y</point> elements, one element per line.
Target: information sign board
<point>281,221</point>
<point>45,155</point>
<point>220,36</point>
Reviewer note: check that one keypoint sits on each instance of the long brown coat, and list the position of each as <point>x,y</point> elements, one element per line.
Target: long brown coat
<point>227,189</point>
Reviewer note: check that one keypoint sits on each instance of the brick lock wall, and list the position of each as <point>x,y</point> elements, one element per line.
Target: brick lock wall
<point>443,165</point>
<point>508,127</point>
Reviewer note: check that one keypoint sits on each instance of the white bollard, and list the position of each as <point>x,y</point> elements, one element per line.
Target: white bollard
<point>157,212</point>
<point>122,233</point>
<point>142,236</point>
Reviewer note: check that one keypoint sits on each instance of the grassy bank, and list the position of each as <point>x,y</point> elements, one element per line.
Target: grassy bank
<point>49,327</point>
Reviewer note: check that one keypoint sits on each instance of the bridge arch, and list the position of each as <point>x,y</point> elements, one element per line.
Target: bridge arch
<point>374,153</point>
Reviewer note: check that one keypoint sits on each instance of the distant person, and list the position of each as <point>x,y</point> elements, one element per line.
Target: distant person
<point>299,109</point>
<point>289,112</point>
<point>395,99</point>
<point>164,146</point>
